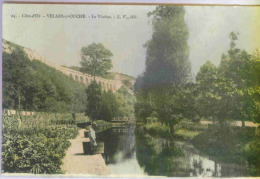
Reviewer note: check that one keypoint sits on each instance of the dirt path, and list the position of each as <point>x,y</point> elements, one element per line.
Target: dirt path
<point>75,162</point>
<point>235,123</point>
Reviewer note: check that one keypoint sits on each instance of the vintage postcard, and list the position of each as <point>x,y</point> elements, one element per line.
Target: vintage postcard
<point>127,90</point>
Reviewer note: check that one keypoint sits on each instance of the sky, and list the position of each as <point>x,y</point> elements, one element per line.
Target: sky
<point>59,40</point>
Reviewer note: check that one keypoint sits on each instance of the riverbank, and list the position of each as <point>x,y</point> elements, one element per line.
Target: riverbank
<point>75,162</point>
<point>102,125</point>
<point>158,129</point>
<point>229,144</point>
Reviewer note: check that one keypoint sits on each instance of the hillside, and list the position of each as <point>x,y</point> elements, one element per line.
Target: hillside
<point>33,85</point>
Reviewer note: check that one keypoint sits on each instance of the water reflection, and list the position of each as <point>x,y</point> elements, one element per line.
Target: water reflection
<point>129,151</point>
<point>120,151</point>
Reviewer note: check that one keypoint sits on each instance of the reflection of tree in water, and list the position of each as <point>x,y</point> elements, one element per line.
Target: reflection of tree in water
<point>231,170</point>
<point>117,142</point>
<point>160,157</point>
<point>196,168</point>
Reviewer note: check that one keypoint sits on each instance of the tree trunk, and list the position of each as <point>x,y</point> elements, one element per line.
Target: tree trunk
<point>243,123</point>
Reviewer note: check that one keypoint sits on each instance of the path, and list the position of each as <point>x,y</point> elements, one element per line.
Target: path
<point>235,123</point>
<point>75,162</point>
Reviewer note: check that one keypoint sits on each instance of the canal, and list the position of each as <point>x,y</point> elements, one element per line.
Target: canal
<point>130,151</point>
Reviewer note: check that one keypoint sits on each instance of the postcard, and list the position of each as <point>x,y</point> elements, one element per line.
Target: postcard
<point>130,90</point>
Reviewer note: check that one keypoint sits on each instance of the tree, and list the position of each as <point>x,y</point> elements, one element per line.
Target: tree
<point>239,66</point>
<point>167,52</point>
<point>217,94</point>
<point>94,100</point>
<point>167,66</point>
<point>126,102</point>
<point>228,92</point>
<point>95,59</point>
<point>34,86</point>
<point>109,108</point>
<point>256,80</point>
<point>206,78</point>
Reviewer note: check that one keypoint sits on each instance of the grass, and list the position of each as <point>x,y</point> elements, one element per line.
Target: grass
<point>187,134</point>
<point>103,125</point>
<point>158,129</point>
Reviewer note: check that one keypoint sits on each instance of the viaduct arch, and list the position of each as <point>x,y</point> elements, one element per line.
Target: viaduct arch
<point>86,79</point>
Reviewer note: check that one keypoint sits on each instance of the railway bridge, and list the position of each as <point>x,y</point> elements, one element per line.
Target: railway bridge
<point>86,79</point>
<point>83,78</point>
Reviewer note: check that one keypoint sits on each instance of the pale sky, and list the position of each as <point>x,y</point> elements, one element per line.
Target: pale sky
<point>59,40</point>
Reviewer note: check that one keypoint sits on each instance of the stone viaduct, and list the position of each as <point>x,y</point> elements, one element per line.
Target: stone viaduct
<point>86,79</point>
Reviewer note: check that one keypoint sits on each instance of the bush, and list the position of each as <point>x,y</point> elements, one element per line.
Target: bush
<point>158,129</point>
<point>37,145</point>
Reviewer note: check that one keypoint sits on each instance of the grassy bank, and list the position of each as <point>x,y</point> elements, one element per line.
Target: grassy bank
<point>158,129</point>
<point>103,125</point>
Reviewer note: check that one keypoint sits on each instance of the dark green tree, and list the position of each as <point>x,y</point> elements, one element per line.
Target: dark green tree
<point>167,66</point>
<point>256,80</point>
<point>94,100</point>
<point>216,94</point>
<point>167,52</point>
<point>109,108</point>
<point>239,66</point>
<point>95,59</point>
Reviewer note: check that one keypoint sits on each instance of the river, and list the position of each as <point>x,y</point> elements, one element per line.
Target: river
<point>128,151</point>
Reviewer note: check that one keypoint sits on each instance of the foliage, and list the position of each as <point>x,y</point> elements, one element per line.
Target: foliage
<point>236,144</point>
<point>95,59</point>
<point>34,86</point>
<point>158,156</point>
<point>228,92</point>
<point>94,98</point>
<point>252,152</point>
<point>187,134</point>
<point>216,94</point>
<point>108,105</point>
<point>38,144</point>
<point>239,67</point>
<point>106,75</point>
<point>167,52</point>
<point>157,129</point>
<point>109,108</point>
<point>126,102</point>
<point>167,67</point>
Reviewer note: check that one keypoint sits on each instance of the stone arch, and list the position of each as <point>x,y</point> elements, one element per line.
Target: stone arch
<point>71,76</point>
<point>81,79</point>
<point>114,87</point>
<point>76,78</point>
<point>87,81</point>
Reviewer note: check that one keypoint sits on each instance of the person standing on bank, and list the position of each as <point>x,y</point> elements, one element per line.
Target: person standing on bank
<point>92,137</point>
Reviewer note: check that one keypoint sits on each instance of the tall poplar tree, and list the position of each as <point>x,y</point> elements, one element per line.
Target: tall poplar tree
<point>167,52</point>
<point>167,64</point>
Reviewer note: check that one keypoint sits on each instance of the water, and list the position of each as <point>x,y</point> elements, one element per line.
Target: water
<point>132,152</point>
